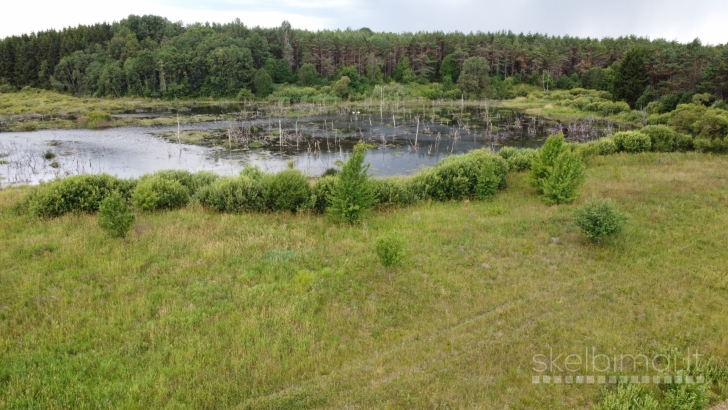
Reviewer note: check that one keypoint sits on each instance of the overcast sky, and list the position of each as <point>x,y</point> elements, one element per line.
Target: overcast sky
<point>681,20</point>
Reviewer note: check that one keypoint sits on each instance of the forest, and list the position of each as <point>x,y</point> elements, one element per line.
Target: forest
<point>150,56</point>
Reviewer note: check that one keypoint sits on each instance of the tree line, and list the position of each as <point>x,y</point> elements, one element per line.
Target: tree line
<point>154,57</point>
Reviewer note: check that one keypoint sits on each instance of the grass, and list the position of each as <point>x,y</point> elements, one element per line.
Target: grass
<point>34,109</point>
<point>203,310</point>
<point>544,107</point>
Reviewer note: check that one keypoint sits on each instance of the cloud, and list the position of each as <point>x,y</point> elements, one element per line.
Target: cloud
<point>670,19</point>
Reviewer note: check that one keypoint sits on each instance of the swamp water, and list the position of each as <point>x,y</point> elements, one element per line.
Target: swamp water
<point>403,142</point>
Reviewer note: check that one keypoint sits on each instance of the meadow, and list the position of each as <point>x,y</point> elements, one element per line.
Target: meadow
<point>197,309</point>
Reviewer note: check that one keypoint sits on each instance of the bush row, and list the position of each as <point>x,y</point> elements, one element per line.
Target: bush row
<point>478,174</point>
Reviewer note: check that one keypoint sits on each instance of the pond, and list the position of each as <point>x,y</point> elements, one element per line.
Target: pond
<point>402,142</point>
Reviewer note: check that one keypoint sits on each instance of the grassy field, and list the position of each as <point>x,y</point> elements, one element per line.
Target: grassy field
<point>261,311</point>
<point>34,109</point>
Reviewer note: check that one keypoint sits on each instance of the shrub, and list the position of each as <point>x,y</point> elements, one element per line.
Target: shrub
<point>191,182</point>
<point>114,215</point>
<point>632,141</point>
<point>233,194</point>
<point>684,142</point>
<point>353,194</point>
<point>156,192</point>
<point>252,172</point>
<point>606,146</point>
<point>599,219</point>
<point>507,152</point>
<point>702,145</point>
<point>330,172</point>
<point>7,88</point>
<point>564,179</point>
<point>477,174</point>
<point>557,172</point>
<point>628,396</point>
<point>81,193</point>
<point>586,150</point>
<point>321,192</point>
<point>521,159</point>
<point>98,117</point>
<point>390,250</point>
<point>662,137</point>
<point>244,95</point>
<point>393,191</point>
<point>287,190</point>
<point>543,163</point>
<point>686,396</point>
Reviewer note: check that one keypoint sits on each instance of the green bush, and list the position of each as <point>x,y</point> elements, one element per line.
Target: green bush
<point>606,146</point>
<point>543,163</point>
<point>353,194</point>
<point>114,215</point>
<point>156,193</point>
<point>390,250</point>
<point>557,172</point>
<point>95,117</point>
<point>478,174</point>
<point>586,149</point>
<point>191,182</point>
<point>707,145</point>
<point>393,191</point>
<point>632,141</point>
<point>233,194</point>
<point>703,145</point>
<point>628,397</point>
<point>81,193</point>
<point>7,88</point>
<point>331,172</point>
<point>521,159</point>
<point>684,142</point>
<point>321,192</point>
<point>287,190</point>
<point>662,137</point>
<point>599,219</point>
<point>507,152</point>
<point>252,172</point>
<point>686,396</point>
<point>564,180</point>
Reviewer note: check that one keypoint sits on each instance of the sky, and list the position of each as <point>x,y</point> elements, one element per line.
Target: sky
<point>680,20</point>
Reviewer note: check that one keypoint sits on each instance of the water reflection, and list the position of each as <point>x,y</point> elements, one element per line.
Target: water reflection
<point>402,143</point>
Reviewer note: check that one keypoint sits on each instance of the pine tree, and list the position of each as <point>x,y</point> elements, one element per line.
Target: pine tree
<point>631,78</point>
<point>403,73</point>
<point>353,194</point>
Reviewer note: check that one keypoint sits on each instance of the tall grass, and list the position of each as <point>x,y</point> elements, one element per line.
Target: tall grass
<point>199,309</point>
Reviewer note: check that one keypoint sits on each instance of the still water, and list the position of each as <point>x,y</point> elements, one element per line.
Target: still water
<point>402,144</point>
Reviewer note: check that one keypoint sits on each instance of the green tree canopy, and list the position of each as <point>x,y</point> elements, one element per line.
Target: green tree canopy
<point>474,77</point>
<point>308,76</point>
<point>450,66</point>
<point>630,80</point>
<point>263,84</point>
<point>403,73</point>
<point>259,49</point>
